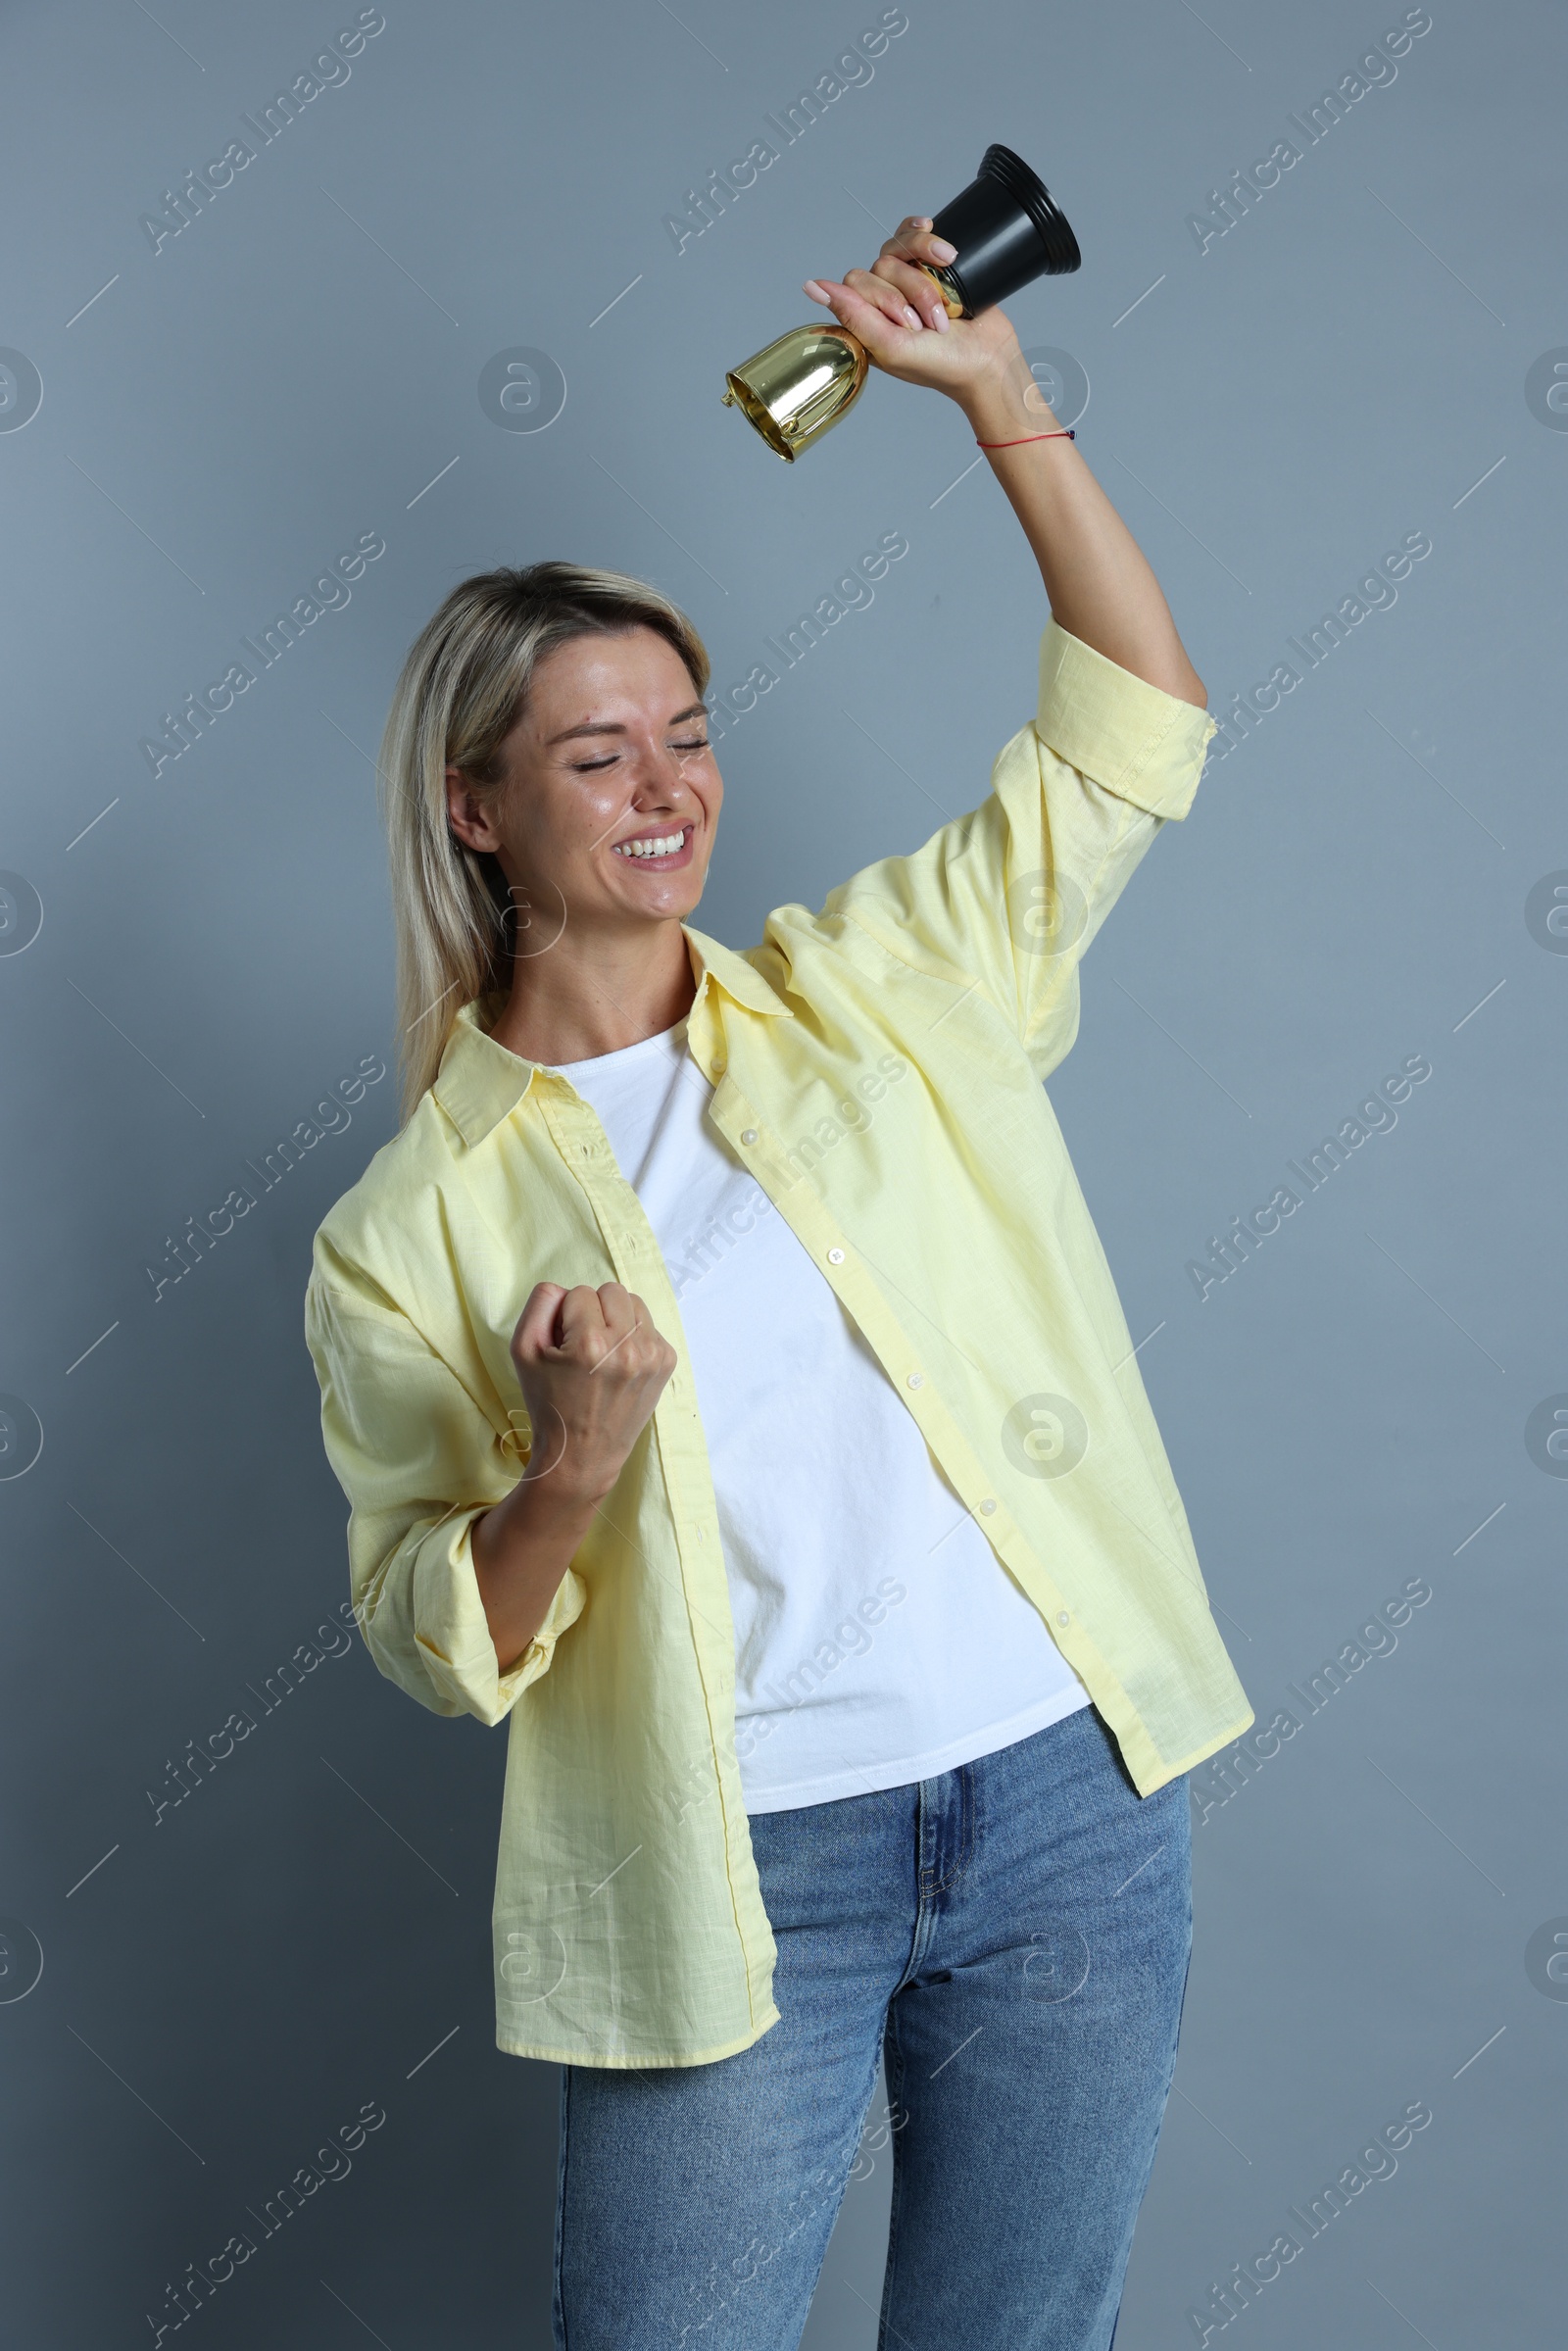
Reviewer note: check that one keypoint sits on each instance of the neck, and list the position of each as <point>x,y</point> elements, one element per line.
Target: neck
<point>594,996</point>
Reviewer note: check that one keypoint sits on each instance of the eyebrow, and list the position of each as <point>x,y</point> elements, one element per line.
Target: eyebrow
<point>693,710</point>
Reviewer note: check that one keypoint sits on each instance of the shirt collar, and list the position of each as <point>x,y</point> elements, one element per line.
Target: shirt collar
<point>733,973</point>
<point>480,1082</point>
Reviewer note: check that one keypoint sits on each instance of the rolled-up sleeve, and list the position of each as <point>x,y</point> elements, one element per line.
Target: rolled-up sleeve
<point>1010,897</point>
<point>420,1462</point>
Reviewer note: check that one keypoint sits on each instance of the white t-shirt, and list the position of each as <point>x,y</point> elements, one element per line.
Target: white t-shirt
<point>878,1637</point>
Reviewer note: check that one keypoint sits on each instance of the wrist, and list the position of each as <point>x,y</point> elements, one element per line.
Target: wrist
<point>553,1493</point>
<point>1008,404</point>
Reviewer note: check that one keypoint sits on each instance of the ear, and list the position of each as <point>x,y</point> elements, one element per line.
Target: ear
<point>466,815</point>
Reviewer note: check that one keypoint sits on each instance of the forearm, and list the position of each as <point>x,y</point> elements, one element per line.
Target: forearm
<point>590,1366</point>
<point>1097,580</point>
<point>1101,588</point>
<point>522,1550</point>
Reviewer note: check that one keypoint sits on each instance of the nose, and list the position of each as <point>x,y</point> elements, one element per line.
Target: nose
<point>661,777</point>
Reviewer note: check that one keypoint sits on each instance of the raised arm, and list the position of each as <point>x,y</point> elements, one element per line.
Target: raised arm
<point>1098,582</point>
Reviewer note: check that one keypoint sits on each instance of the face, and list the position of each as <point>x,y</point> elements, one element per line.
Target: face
<point>607,815</point>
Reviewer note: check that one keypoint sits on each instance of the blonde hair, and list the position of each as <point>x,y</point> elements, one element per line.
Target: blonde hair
<point>462,690</point>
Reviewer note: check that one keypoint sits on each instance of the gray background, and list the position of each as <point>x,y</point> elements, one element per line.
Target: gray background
<point>223,1987</point>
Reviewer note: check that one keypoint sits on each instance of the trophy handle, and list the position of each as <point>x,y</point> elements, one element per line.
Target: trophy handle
<point>941,280</point>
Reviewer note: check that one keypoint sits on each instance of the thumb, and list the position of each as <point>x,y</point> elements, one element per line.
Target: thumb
<point>536,1324</point>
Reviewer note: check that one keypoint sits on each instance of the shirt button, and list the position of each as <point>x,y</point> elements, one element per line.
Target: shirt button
<point>835,1256</point>
<point>988,1506</point>
<point>720,1063</point>
<point>1065,1618</point>
<point>748,1134</point>
<point>917,1379</point>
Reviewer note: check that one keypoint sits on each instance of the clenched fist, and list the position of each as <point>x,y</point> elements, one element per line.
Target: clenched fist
<point>591,1367</point>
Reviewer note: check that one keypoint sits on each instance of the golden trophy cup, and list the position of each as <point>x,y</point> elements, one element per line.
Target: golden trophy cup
<point>1006,232</point>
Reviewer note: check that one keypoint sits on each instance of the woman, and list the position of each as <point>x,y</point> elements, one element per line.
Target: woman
<point>845,1614</point>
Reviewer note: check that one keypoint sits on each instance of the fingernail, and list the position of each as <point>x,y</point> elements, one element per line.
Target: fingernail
<point>914,316</point>
<point>943,250</point>
<point>941,322</point>
<point>813,289</point>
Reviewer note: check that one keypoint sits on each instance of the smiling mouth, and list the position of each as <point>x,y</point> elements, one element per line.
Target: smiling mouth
<point>658,848</point>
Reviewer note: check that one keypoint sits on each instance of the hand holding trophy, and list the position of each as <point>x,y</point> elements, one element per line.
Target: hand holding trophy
<point>925,311</point>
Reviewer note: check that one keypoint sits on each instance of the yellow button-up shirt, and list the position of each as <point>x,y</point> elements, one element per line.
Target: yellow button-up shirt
<point>877,1067</point>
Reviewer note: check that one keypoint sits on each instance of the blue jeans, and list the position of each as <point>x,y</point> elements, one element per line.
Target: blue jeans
<point>1013,1936</point>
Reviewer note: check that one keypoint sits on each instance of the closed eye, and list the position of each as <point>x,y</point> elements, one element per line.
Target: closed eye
<point>689,746</point>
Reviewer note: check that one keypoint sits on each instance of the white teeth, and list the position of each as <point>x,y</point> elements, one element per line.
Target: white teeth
<point>665,844</point>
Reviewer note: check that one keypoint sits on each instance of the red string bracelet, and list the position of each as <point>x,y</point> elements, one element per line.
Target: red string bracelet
<point>1028,436</point>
